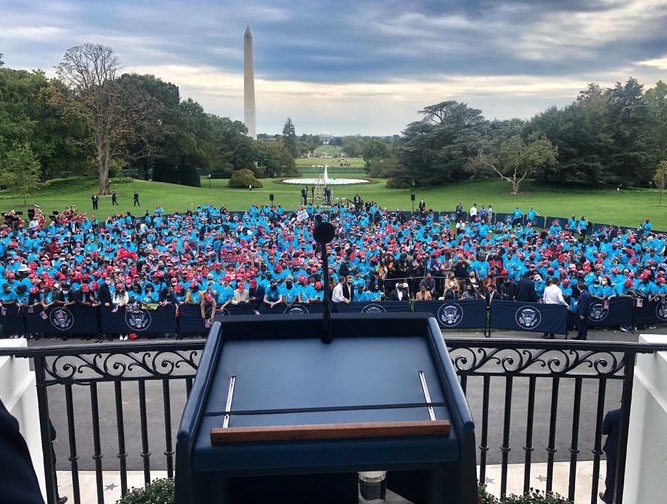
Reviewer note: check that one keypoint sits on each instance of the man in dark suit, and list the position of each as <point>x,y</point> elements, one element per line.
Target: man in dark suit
<point>17,476</point>
<point>583,311</point>
<point>400,293</point>
<point>526,289</point>
<point>611,425</point>
<point>348,289</point>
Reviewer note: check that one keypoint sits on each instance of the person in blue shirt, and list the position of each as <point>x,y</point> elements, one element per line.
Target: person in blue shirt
<point>583,227</point>
<point>361,296</point>
<point>517,216</point>
<point>150,296</point>
<point>647,227</point>
<point>225,295</point>
<point>7,296</point>
<point>290,292</point>
<point>530,217</point>
<point>272,295</point>
<point>572,224</point>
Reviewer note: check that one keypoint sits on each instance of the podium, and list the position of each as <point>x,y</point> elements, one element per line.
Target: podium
<point>277,415</point>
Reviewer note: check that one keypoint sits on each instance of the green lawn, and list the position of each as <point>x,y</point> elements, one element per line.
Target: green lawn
<point>625,208</point>
<point>328,150</point>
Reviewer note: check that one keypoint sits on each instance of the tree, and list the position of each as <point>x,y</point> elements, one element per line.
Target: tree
<point>656,100</point>
<point>629,122</point>
<point>289,139</point>
<point>374,150</point>
<point>660,179</point>
<point>20,173</point>
<point>582,135</point>
<point>436,149</point>
<point>90,72</point>
<point>273,160</point>
<point>517,160</point>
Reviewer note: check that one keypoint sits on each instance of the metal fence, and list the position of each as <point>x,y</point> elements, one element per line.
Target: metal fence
<point>521,389</point>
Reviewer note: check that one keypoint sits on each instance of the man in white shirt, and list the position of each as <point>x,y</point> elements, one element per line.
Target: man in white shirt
<point>473,212</point>
<point>552,295</point>
<point>337,294</point>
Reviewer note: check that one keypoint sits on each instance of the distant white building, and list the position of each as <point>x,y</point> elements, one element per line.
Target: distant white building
<point>325,137</point>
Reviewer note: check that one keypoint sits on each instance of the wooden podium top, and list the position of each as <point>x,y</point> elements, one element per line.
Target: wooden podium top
<point>222,436</point>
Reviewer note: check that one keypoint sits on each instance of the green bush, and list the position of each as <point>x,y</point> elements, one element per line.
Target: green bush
<point>393,183</point>
<point>188,176</point>
<point>162,492</point>
<point>159,491</point>
<point>534,497</point>
<point>243,178</point>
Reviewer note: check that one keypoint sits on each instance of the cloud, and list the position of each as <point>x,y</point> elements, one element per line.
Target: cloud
<point>357,65</point>
<point>659,63</point>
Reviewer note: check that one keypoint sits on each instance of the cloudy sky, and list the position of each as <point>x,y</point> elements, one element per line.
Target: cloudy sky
<point>356,66</point>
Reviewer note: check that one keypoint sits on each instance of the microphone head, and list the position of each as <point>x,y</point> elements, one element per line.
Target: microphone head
<point>324,232</point>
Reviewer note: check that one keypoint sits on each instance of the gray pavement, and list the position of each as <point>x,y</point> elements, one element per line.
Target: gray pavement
<point>156,430</point>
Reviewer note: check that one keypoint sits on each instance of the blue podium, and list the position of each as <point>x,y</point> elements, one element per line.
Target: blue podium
<point>278,415</point>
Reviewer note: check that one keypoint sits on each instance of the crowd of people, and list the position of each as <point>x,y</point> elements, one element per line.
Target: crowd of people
<point>215,258</point>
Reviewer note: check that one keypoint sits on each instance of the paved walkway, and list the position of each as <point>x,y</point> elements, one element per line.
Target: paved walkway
<point>514,482</point>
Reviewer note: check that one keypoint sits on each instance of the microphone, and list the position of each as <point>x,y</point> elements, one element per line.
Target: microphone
<point>323,233</point>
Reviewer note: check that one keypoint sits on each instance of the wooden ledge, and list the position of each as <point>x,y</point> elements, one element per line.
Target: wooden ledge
<point>220,436</point>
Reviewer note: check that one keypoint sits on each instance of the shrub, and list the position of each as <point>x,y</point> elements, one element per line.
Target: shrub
<point>243,178</point>
<point>159,491</point>
<point>162,491</point>
<point>534,497</point>
<point>393,183</point>
<point>188,176</point>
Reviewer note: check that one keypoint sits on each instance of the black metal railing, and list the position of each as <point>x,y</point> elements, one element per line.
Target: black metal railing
<point>549,396</point>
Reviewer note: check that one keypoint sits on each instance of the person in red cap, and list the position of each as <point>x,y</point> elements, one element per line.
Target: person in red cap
<point>207,307</point>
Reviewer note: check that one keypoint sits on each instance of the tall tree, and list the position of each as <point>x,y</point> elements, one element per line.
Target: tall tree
<point>20,171</point>
<point>660,179</point>
<point>582,135</point>
<point>630,161</point>
<point>436,149</point>
<point>656,101</point>
<point>517,160</point>
<point>90,71</point>
<point>289,139</point>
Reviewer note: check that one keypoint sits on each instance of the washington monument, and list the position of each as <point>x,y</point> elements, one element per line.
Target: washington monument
<point>248,85</point>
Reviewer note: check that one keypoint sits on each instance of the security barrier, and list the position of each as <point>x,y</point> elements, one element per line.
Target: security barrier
<point>80,319</point>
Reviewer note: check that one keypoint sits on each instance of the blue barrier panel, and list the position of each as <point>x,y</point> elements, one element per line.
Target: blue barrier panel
<point>378,307</point>
<point>651,312</point>
<point>295,309</point>
<point>127,320</point>
<point>614,312</point>
<point>505,218</point>
<point>190,321</point>
<point>531,317</point>
<point>11,320</point>
<point>455,314</point>
<point>73,319</point>
<point>242,309</point>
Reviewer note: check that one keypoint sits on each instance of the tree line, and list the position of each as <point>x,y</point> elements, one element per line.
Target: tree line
<point>615,136</point>
<point>92,119</point>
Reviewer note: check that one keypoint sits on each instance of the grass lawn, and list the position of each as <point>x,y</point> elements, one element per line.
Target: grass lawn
<point>328,150</point>
<point>627,208</point>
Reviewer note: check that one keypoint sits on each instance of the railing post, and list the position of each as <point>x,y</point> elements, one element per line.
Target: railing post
<point>45,428</point>
<point>626,404</point>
